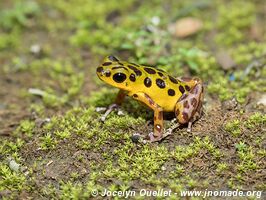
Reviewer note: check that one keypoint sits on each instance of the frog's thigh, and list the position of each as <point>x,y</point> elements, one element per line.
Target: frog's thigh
<point>158,112</point>
<point>188,108</point>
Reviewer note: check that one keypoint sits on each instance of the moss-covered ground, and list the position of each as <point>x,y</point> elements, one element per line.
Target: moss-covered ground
<point>52,144</point>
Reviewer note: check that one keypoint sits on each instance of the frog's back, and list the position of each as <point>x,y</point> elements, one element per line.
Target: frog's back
<point>163,88</point>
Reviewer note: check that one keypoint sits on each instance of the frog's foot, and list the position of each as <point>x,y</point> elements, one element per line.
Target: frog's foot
<point>137,138</point>
<point>164,135</point>
<point>108,110</point>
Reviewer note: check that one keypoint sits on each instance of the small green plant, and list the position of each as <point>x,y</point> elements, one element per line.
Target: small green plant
<point>241,147</point>
<point>246,156</point>
<point>191,183</point>
<point>74,175</point>
<point>70,190</point>
<point>11,147</point>
<point>179,169</point>
<point>255,120</point>
<point>182,153</point>
<point>26,127</point>
<point>65,134</point>
<point>233,127</point>
<point>47,142</point>
<point>221,167</point>
<point>11,180</point>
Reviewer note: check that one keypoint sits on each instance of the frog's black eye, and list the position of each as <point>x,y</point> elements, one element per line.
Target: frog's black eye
<point>119,77</point>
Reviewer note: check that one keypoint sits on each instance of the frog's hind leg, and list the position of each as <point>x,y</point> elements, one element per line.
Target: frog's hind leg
<point>189,107</point>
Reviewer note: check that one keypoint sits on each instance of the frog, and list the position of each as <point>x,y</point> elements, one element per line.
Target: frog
<point>156,89</point>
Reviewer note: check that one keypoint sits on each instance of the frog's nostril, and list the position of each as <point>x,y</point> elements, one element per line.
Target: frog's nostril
<point>99,69</point>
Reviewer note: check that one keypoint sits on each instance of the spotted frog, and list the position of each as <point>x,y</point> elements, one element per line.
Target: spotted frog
<point>156,89</point>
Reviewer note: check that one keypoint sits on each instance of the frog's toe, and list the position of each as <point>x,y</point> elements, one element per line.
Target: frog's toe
<point>108,110</point>
<point>189,128</point>
<point>113,106</point>
<point>100,109</point>
<point>154,138</point>
<point>171,129</point>
<point>120,112</point>
<point>103,118</point>
<point>168,132</point>
<point>151,136</point>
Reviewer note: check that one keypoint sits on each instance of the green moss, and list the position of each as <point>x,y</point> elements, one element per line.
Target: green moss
<point>65,134</point>
<point>255,120</point>
<point>123,122</point>
<point>11,180</point>
<point>26,127</point>
<point>232,21</point>
<point>154,159</point>
<point>244,54</point>
<point>65,82</point>
<point>179,170</point>
<point>247,158</point>
<point>183,153</point>
<point>70,190</point>
<point>220,87</point>
<point>18,14</point>
<point>221,167</point>
<point>47,142</point>
<point>9,147</point>
<point>9,40</point>
<point>233,127</point>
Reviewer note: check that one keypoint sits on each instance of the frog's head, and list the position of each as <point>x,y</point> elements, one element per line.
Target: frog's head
<point>113,72</point>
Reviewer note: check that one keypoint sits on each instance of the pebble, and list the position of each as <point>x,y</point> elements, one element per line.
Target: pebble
<point>35,49</point>
<point>185,27</point>
<point>13,165</point>
<point>262,100</point>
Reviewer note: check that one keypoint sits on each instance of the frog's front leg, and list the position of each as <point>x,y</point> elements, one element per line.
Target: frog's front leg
<point>119,100</point>
<point>189,107</point>
<point>157,134</point>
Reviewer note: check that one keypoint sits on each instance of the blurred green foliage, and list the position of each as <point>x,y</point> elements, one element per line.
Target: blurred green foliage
<point>19,14</point>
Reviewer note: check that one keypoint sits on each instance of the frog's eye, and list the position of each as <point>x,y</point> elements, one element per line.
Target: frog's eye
<point>119,77</point>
